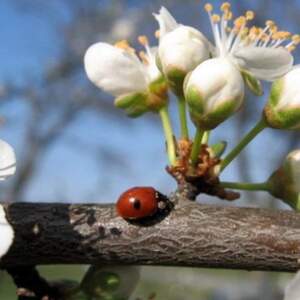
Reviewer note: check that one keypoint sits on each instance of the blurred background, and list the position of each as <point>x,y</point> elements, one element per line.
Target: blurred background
<point>73,146</point>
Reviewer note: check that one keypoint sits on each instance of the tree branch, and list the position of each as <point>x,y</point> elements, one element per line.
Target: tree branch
<point>192,235</point>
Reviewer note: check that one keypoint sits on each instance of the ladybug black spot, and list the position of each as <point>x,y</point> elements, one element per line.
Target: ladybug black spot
<point>136,204</point>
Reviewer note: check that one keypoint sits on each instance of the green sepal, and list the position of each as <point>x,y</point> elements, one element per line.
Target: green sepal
<point>252,83</point>
<point>158,63</point>
<point>282,187</point>
<point>134,104</point>
<point>285,119</point>
<point>219,148</point>
<point>175,79</point>
<point>208,120</point>
<point>157,94</point>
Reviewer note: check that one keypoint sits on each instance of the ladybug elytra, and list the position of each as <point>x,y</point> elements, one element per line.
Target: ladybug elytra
<point>138,203</point>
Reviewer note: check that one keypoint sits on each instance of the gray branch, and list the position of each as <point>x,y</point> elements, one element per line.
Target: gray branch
<point>191,235</point>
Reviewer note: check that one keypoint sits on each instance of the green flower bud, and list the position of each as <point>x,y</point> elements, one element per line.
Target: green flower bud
<point>285,182</point>
<point>214,91</point>
<point>283,108</point>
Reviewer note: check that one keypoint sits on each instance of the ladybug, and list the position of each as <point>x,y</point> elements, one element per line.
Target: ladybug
<point>138,203</point>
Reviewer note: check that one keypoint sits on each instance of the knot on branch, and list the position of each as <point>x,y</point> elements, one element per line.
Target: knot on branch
<point>201,178</point>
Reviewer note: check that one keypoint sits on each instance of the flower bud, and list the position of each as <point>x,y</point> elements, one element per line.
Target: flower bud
<point>181,51</point>
<point>283,108</point>
<point>285,182</point>
<point>214,91</point>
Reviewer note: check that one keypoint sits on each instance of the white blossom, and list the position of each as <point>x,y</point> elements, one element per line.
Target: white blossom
<point>264,52</point>
<point>7,160</point>
<point>6,233</point>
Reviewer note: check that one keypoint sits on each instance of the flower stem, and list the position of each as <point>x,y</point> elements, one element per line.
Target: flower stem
<point>182,116</point>
<point>205,137</point>
<point>263,186</point>
<point>196,146</point>
<point>259,127</point>
<point>166,123</point>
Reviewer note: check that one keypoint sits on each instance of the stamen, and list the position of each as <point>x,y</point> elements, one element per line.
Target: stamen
<point>240,22</point>
<point>225,6</point>
<point>208,7</point>
<point>291,48</point>
<point>123,44</point>
<point>296,39</point>
<point>274,29</point>
<point>215,18</point>
<point>143,40</point>
<point>250,15</point>
<point>144,57</point>
<point>270,23</point>
<point>228,15</point>
<point>157,34</point>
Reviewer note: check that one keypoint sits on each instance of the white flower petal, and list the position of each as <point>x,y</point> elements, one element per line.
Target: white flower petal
<point>184,48</point>
<point>264,63</point>
<point>290,94</point>
<point>166,21</point>
<point>152,69</point>
<point>292,291</point>
<point>114,70</point>
<point>218,82</point>
<point>7,160</point>
<point>6,233</point>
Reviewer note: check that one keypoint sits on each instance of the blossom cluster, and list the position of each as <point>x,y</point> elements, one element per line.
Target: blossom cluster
<point>208,78</point>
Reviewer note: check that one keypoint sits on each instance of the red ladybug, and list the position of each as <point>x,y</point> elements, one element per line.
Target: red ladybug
<point>138,203</point>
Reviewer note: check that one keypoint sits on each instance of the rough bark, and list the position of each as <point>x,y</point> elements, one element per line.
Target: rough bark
<point>191,235</point>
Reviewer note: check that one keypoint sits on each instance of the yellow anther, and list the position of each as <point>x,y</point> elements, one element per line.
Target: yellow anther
<point>296,39</point>
<point>144,57</point>
<point>274,29</point>
<point>250,15</point>
<point>216,18</point>
<point>291,48</point>
<point>123,44</point>
<point>287,35</point>
<point>281,35</point>
<point>225,6</point>
<point>239,22</point>
<point>157,34</point>
<point>244,33</point>
<point>228,15</point>
<point>143,40</point>
<point>277,36</point>
<point>208,7</point>
<point>270,23</point>
<point>265,37</point>
<point>254,31</point>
